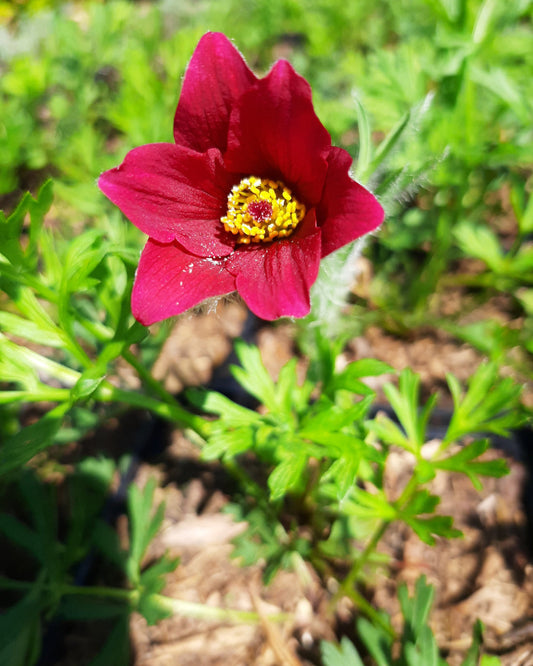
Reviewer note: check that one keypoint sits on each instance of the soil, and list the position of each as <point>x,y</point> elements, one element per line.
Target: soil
<point>487,574</point>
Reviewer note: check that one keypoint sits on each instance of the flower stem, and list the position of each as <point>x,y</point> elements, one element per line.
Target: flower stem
<point>131,598</point>
<point>191,609</point>
<point>106,392</point>
<point>40,395</point>
<point>147,377</point>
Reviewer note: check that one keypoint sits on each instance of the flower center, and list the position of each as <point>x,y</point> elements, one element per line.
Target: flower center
<point>260,210</point>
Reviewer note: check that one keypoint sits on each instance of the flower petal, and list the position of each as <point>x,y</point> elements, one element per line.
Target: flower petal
<point>275,132</point>
<point>274,280</point>
<point>215,78</point>
<point>347,210</point>
<point>170,281</point>
<point>174,193</point>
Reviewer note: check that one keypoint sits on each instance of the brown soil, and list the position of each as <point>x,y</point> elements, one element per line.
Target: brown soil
<point>488,574</point>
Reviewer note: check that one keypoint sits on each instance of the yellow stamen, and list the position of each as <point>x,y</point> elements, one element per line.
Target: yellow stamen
<point>260,210</point>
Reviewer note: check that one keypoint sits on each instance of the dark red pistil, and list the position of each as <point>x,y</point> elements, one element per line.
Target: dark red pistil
<point>260,210</point>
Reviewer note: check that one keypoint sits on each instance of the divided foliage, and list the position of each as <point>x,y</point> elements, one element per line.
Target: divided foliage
<point>446,86</point>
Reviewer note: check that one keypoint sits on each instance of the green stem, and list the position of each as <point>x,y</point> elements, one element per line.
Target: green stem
<point>98,330</point>
<point>40,395</point>
<point>347,587</point>
<point>31,281</point>
<point>131,598</point>
<point>372,613</point>
<point>467,280</point>
<point>147,377</point>
<point>407,492</point>
<point>191,609</point>
<point>106,392</point>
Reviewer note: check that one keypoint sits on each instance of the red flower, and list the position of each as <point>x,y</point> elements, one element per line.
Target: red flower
<point>250,197</point>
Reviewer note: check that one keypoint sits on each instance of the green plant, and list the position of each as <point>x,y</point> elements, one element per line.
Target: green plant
<point>434,99</point>
<point>418,646</point>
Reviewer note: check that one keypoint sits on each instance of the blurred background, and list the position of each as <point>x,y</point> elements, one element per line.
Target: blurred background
<point>84,82</point>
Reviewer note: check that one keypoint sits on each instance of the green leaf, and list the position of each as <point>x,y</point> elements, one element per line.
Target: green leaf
<point>20,364</point>
<point>473,654</point>
<point>287,476</point>
<point>335,442</point>
<point>116,649</point>
<point>405,402</point>
<point>228,443</point>
<point>419,646</point>
<point>88,382</point>
<point>464,461</point>
<point>425,652</point>
<point>31,330</point>
<point>344,654</point>
<point>83,607</point>
<point>286,388</point>
<point>38,208</point>
<point>82,259</point>
<point>489,660</point>
<point>371,505</point>
<point>484,20</point>
<point>41,502</point>
<point>376,641</point>
<point>152,579</point>
<point>216,403</point>
<point>416,609</point>
<point>388,431</point>
<point>135,334</point>
<point>526,219</point>
<point>389,143</point>
<point>520,265</point>
<point>253,375</point>
<point>106,540</point>
<point>349,377</point>
<point>322,352</point>
<point>144,525</point>
<point>489,405</point>
<point>344,473</point>
<point>422,502</point>
<point>428,528</point>
<point>20,629</point>
<point>14,367</point>
<point>11,229</point>
<point>88,489</point>
<point>365,139</point>
<point>480,242</point>
<point>331,418</point>
<point>21,534</point>
<point>153,608</point>
<point>18,449</point>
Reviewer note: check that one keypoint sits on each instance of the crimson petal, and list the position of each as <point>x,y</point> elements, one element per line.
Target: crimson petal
<point>274,281</point>
<point>274,131</point>
<point>170,281</point>
<point>215,78</point>
<point>173,193</point>
<point>347,210</point>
